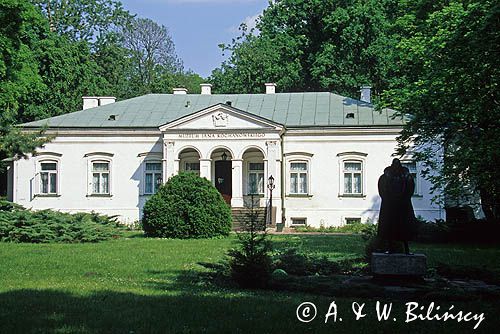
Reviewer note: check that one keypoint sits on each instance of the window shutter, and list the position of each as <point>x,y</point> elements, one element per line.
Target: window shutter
<point>89,177</point>
<point>35,184</point>
<point>142,183</point>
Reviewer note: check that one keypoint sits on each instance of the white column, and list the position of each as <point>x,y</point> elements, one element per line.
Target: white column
<point>177,166</point>
<point>169,160</point>
<point>274,169</point>
<point>164,162</point>
<point>237,182</point>
<point>263,201</point>
<point>206,168</point>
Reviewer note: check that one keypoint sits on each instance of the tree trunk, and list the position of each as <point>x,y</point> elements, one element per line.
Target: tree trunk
<point>490,205</point>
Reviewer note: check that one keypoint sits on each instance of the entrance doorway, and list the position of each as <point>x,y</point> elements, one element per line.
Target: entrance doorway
<point>223,179</point>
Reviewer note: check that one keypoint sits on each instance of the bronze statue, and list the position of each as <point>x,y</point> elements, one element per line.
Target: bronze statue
<point>396,219</point>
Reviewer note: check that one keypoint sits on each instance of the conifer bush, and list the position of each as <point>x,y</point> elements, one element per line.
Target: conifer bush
<point>251,262</point>
<point>18,224</point>
<point>187,206</point>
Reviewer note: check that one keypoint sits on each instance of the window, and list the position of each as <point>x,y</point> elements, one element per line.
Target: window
<point>152,177</point>
<point>100,177</point>
<point>192,167</point>
<point>299,221</point>
<point>350,221</point>
<point>298,177</point>
<point>412,167</point>
<point>48,177</point>
<point>353,177</point>
<point>256,178</point>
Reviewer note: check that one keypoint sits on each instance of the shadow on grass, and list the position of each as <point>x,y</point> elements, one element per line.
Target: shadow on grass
<point>50,311</point>
<point>214,278</point>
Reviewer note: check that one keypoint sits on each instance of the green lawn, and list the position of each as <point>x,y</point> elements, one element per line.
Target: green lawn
<point>138,285</point>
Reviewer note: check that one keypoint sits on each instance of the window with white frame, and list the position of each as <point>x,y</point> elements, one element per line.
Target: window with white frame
<point>299,221</point>
<point>152,176</point>
<point>192,167</point>
<point>100,177</point>
<point>299,179</point>
<point>48,177</point>
<point>352,220</point>
<point>353,177</point>
<point>412,167</point>
<point>255,177</point>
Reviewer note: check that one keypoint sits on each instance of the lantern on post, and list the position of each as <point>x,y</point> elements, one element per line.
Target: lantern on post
<point>270,186</point>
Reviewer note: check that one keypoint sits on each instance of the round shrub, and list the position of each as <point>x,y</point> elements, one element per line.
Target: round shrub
<point>187,206</point>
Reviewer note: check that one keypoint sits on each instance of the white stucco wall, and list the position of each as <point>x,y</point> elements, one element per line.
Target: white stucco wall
<point>325,204</point>
<point>126,174</point>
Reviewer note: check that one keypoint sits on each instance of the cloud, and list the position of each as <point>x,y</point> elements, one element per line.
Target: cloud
<point>250,22</point>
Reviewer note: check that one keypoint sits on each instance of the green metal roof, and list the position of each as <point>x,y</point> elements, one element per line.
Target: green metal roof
<point>289,109</point>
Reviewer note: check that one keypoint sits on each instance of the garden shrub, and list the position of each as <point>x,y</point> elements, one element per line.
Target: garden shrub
<point>477,230</point>
<point>45,226</point>
<point>438,231</point>
<point>250,263</point>
<point>9,206</point>
<point>187,206</point>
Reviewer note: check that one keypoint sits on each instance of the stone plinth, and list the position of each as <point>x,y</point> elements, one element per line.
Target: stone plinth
<point>399,264</point>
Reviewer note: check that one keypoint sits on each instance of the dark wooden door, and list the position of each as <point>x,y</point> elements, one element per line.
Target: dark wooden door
<point>223,179</point>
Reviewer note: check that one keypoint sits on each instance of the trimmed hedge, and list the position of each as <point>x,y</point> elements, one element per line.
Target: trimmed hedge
<point>20,225</point>
<point>187,206</point>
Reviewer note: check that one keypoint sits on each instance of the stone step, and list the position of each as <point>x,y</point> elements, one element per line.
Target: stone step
<point>241,215</point>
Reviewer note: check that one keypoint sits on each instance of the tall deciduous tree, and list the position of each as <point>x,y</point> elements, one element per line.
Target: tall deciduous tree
<point>22,29</point>
<point>152,53</point>
<point>449,80</point>
<point>311,45</point>
<point>87,20</point>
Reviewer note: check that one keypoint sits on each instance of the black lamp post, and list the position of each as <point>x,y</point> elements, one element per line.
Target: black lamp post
<point>270,186</point>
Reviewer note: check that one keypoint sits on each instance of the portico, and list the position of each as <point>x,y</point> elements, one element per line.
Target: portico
<point>237,151</point>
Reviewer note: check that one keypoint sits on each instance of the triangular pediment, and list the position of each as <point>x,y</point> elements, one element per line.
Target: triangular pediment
<point>221,117</point>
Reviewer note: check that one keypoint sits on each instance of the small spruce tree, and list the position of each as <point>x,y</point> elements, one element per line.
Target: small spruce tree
<point>250,263</point>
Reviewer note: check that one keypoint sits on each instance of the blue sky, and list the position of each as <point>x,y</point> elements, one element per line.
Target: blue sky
<point>199,26</point>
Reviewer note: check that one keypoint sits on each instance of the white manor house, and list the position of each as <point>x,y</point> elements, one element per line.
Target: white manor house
<point>324,151</point>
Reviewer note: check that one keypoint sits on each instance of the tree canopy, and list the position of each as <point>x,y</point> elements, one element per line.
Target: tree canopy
<point>449,70</point>
<point>318,45</point>
<point>21,30</point>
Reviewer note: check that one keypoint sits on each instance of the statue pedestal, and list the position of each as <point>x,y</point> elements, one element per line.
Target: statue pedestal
<point>398,264</point>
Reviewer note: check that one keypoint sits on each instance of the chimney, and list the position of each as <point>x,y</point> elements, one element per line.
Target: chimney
<point>366,94</point>
<point>180,91</point>
<point>270,88</point>
<point>103,100</point>
<point>96,101</point>
<point>206,89</point>
<point>90,102</point>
